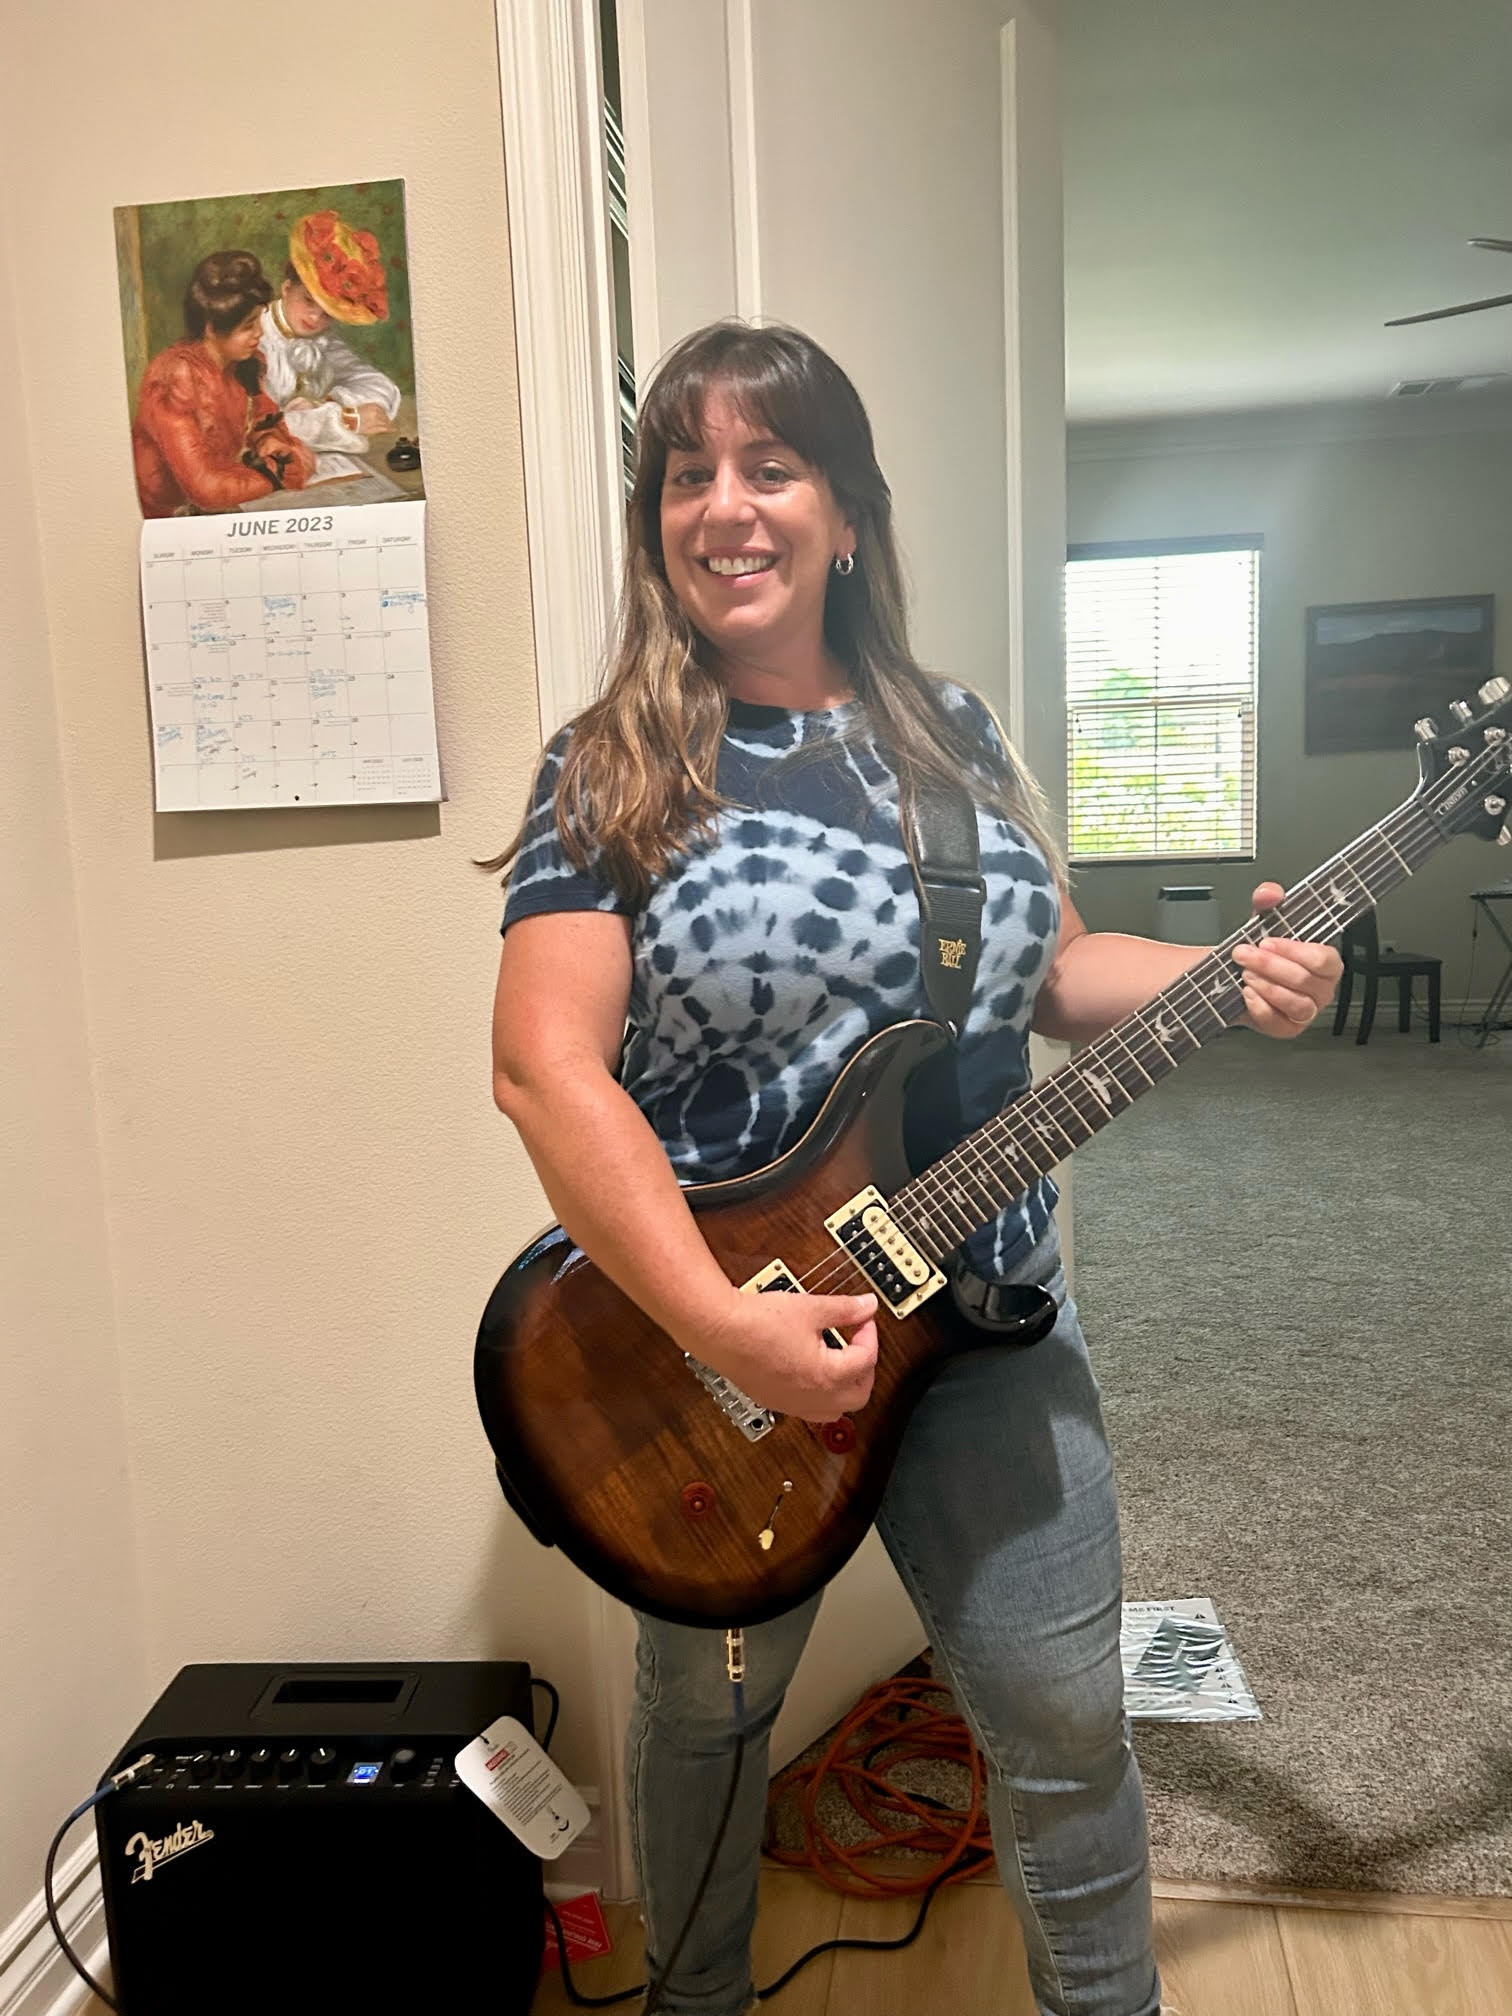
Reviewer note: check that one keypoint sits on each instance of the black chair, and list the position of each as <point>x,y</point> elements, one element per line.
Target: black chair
<point>1363,955</point>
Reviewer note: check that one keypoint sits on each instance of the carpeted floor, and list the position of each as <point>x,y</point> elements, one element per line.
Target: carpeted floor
<point>1294,1267</point>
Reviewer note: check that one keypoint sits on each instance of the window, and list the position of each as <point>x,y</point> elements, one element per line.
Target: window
<point>1160,699</point>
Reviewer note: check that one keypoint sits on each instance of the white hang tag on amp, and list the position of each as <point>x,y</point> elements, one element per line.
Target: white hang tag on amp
<point>514,1777</point>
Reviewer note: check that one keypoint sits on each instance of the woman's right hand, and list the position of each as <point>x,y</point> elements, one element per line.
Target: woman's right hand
<point>773,1348</point>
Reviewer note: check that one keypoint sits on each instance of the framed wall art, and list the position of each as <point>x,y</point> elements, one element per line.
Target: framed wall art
<point>1373,668</point>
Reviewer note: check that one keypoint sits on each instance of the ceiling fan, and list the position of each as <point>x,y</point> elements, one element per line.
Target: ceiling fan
<point>1465,307</point>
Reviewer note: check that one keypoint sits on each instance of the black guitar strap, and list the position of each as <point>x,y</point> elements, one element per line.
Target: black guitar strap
<point>948,877</point>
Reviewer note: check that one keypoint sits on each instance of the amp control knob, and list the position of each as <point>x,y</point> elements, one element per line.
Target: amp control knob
<point>321,1762</point>
<point>288,1765</point>
<point>229,1764</point>
<point>404,1765</point>
<point>260,1763</point>
<point>202,1765</point>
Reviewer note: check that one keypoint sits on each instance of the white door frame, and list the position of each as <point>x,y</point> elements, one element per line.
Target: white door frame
<point>552,95</point>
<point>551,92</point>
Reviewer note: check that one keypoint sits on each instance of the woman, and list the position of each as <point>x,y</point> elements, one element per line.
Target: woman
<point>714,853</point>
<point>332,399</point>
<point>206,436</point>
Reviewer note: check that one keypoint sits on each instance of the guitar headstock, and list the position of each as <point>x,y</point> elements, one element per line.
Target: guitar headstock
<point>1467,769</point>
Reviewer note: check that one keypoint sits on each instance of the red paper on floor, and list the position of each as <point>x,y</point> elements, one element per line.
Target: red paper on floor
<point>583,1928</point>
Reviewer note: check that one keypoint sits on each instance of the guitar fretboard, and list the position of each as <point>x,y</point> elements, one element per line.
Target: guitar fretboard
<point>979,1177</point>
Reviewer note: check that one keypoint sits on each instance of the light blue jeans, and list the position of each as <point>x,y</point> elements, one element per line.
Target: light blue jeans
<point>1001,1518</point>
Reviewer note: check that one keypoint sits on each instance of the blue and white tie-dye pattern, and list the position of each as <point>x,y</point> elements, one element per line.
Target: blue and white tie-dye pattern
<point>770,951</point>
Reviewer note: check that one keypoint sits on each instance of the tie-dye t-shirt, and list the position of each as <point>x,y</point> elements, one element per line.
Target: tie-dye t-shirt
<point>774,947</point>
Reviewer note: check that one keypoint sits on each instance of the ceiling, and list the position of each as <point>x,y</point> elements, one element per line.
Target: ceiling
<point>1254,186</point>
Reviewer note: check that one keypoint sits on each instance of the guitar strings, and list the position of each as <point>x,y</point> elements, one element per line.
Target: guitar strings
<point>958,1164</point>
<point>1034,1102</point>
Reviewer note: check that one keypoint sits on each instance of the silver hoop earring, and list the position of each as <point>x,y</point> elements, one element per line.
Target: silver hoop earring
<point>845,563</point>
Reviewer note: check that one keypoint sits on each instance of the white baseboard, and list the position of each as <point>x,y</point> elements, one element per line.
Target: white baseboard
<point>35,1979</point>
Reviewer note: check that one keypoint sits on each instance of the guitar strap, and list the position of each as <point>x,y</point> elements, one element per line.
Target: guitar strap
<point>948,877</point>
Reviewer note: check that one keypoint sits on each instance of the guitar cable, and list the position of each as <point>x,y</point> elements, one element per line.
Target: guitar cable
<point>50,1902</point>
<point>964,1857</point>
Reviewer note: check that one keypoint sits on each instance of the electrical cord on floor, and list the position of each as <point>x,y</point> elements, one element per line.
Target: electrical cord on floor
<point>903,1720</point>
<point>112,1784</point>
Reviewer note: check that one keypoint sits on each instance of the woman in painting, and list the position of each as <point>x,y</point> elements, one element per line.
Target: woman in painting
<point>331,397</point>
<point>206,435</point>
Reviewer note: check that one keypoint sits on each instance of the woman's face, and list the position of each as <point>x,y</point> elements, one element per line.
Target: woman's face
<point>238,344</point>
<point>749,534</point>
<point>302,311</point>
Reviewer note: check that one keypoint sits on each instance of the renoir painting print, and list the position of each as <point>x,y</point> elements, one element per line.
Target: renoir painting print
<point>268,350</point>
<point>1373,668</point>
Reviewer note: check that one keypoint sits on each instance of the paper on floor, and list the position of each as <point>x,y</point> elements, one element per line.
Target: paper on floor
<point>1179,1665</point>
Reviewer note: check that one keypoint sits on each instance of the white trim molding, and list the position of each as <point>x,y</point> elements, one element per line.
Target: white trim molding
<point>1285,427</point>
<point>35,1979</point>
<point>740,59</point>
<point>551,88</point>
<point>1013,378</point>
<point>552,95</point>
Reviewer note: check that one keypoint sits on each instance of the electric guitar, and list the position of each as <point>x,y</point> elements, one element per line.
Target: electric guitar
<point>680,1494</point>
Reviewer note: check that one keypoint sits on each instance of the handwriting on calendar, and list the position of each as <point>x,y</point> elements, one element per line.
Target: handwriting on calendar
<point>288,659</point>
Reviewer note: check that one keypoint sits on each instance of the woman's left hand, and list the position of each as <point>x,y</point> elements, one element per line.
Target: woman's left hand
<point>1287,983</point>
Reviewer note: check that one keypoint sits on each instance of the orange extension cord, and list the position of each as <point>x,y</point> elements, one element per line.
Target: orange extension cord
<point>897,1722</point>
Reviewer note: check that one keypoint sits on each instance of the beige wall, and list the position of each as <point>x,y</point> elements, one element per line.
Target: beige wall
<point>307,1190</point>
<point>70,1604</point>
<point>1346,517</point>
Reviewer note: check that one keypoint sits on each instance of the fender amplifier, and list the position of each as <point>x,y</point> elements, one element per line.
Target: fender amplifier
<point>302,1844</point>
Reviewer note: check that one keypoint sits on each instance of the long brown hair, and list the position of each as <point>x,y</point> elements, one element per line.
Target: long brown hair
<point>638,775</point>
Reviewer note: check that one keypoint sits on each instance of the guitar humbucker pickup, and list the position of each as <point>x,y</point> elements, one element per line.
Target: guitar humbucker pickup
<point>777,1278</point>
<point>901,1275</point>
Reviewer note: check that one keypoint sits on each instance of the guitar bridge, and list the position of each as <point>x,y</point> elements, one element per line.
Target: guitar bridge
<point>902,1276</point>
<point>752,1420</point>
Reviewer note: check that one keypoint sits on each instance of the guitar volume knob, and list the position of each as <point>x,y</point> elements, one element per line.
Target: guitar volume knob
<point>698,1500</point>
<point>838,1436</point>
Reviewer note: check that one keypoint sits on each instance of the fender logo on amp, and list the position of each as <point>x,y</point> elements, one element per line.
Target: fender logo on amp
<point>152,1854</point>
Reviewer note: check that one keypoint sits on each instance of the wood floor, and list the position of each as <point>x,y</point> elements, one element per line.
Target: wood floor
<point>1300,1956</point>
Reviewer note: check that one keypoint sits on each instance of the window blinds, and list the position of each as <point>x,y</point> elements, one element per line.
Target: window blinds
<point>1160,699</point>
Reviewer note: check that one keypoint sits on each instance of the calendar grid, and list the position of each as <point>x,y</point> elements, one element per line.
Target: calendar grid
<point>288,659</point>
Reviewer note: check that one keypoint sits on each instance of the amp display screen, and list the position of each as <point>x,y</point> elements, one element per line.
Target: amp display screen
<point>363,1774</point>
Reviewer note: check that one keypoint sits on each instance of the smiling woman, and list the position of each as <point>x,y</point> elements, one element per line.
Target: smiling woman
<point>753,442</point>
<point>720,851</point>
<point>750,533</point>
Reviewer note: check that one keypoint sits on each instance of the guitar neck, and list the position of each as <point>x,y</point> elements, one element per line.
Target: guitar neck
<point>982,1174</point>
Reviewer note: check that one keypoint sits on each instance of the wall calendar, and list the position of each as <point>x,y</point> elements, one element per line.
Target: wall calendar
<point>288,658</point>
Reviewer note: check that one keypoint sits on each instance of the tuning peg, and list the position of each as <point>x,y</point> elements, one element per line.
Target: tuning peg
<point>1504,838</point>
<point>1426,729</point>
<point>1462,711</point>
<point>1495,689</point>
<point>1496,805</point>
